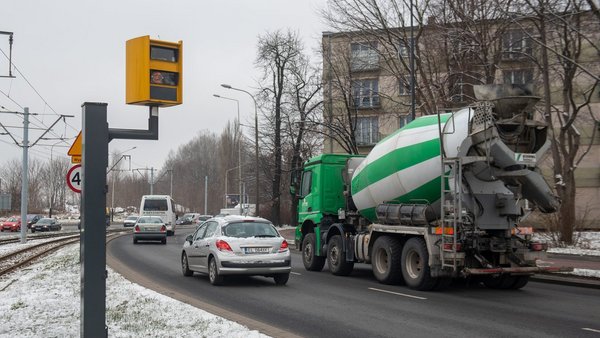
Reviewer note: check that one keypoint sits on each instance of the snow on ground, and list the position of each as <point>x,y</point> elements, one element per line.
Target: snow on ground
<point>5,249</point>
<point>588,243</point>
<point>44,301</point>
<point>584,273</point>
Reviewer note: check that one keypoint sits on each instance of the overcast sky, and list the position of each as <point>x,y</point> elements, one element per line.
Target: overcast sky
<point>74,51</point>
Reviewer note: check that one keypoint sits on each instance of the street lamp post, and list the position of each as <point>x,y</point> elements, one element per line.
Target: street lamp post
<point>239,134</point>
<point>255,142</point>
<point>112,192</point>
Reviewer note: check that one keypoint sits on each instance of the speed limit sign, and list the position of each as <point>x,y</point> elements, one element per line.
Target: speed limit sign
<point>74,180</point>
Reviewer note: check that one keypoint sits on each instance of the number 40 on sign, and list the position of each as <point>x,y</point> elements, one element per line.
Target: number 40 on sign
<point>74,180</point>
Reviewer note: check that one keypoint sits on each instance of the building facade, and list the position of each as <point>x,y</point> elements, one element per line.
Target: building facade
<point>367,85</point>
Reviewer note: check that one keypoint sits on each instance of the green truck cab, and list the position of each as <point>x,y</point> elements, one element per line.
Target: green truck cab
<point>321,196</point>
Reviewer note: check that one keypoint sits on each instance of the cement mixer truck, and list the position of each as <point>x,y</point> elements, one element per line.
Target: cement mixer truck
<point>439,199</point>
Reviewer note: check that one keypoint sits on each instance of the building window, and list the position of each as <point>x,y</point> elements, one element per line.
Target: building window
<point>367,130</point>
<point>516,44</point>
<point>403,120</point>
<point>403,88</point>
<point>518,76</point>
<point>404,47</point>
<point>364,56</point>
<point>365,93</point>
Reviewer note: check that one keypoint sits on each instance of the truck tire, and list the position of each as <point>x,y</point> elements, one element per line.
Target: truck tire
<point>501,282</point>
<point>309,258</point>
<point>386,260</point>
<point>520,282</point>
<point>415,265</point>
<point>336,257</point>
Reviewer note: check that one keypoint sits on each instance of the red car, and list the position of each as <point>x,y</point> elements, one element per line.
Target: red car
<point>11,224</point>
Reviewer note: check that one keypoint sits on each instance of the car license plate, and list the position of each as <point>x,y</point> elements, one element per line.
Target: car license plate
<point>256,250</point>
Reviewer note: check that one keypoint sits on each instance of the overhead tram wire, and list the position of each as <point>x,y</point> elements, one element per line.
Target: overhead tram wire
<point>37,92</point>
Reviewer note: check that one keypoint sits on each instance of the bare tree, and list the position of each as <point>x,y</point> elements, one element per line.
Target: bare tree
<point>565,32</point>
<point>277,53</point>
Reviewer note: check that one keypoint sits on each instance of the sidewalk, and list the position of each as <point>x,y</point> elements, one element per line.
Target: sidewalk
<point>564,260</point>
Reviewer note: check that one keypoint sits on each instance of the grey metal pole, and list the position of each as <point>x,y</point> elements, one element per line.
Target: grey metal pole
<point>93,241</point>
<point>239,156</point>
<point>151,180</point>
<point>255,142</point>
<point>25,177</point>
<point>112,199</point>
<point>205,195</point>
<point>171,191</point>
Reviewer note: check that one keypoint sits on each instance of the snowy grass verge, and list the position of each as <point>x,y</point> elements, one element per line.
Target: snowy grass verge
<point>44,301</point>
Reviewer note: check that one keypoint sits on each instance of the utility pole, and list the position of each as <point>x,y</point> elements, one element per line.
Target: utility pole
<point>205,195</point>
<point>151,180</point>
<point>171,190</point>
<point>25,177</point>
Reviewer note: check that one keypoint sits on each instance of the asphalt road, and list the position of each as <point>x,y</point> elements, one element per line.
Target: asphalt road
<point>318,304</point>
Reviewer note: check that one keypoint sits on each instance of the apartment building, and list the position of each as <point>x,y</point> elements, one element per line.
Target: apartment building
<point>367,85</point>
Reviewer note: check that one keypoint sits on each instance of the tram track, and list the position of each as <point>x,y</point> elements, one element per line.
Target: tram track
<point>20,258</point>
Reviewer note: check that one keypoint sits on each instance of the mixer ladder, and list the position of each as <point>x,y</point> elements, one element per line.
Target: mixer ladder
<point>451,213</point>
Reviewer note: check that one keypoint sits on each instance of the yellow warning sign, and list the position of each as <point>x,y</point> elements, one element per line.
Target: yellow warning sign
<point>75,150</point>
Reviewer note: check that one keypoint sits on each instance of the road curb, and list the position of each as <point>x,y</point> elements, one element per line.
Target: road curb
<point>592,283</point>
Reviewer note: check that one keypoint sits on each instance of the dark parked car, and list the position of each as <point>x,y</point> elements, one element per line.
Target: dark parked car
<point>46,224</point>
<point>188,218</point>
<point>32,219</point>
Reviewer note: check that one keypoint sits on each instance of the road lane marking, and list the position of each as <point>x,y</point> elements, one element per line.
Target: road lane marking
<point>296,273</point>
<point>397,293</point>
<point>588,329</point>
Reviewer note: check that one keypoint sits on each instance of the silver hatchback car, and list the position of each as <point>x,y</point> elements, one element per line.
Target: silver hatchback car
<point>237,245</point>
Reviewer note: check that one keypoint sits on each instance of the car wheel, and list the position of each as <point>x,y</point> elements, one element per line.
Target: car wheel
<point>309,258</point>
<point>415,265</point>
<point>213,273</point>
<point>386,260</point>
<point>135,241</point>
<point>32,230</point>
<point>185,266</point>
<point>336,257</point>
<point>282,278</point>
<point>163,241</point>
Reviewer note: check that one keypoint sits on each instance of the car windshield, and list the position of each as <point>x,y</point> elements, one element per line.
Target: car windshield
<point>44,221</point>
<point>249,229</point>
<point>153,220</point>
<point>13,219</point>
<point>30,217</point>
<point>132,218</point>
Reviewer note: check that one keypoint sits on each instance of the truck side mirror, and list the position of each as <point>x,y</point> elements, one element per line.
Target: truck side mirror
<point>292,190</point>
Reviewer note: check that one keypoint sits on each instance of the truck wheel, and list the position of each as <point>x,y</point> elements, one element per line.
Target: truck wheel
<point>386,260</point>
<point>309,258</point>
<point>520,282</point>
<point>500,282</point>
<point>336,257</point>
<point>415,265</point>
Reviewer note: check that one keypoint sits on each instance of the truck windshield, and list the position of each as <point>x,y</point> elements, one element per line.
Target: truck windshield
<point>155,205</point>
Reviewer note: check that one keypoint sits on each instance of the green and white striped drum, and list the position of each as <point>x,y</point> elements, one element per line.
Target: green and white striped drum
<point>406,166</point>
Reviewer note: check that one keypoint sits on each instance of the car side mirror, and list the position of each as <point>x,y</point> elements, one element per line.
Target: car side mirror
<point>189,238</point>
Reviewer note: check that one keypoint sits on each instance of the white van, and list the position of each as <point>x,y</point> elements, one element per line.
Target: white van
<point>162,206</point>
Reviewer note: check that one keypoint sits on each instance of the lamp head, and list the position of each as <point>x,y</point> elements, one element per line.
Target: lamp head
<point>226,86</point>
